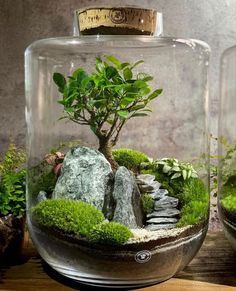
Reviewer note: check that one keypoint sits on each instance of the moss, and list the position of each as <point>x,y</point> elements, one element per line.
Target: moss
<point>194,200</point>
<point>193,212</point>
<point>110,233</point>
<point>69,216</point>
<point>147,203</point>
<point>228,200</point>
<point>131,159</point>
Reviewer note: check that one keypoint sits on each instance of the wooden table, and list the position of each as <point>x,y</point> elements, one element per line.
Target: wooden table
<point>213,269</point>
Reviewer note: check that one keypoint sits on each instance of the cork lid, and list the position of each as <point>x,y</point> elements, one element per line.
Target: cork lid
<point>118,21</point>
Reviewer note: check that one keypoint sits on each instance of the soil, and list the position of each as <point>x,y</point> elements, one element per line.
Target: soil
<point>11,235</point>
<point>142,240</point>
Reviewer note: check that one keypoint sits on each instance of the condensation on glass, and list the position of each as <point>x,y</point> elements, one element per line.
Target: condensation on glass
<point>174,136</point>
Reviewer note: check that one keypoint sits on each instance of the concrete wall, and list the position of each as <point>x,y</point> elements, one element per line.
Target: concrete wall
<point>23,21</point>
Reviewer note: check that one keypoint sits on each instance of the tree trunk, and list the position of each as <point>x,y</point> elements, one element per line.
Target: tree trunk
<point>105,147</point>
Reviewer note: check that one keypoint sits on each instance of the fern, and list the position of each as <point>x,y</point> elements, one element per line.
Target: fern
<point>12,182</point>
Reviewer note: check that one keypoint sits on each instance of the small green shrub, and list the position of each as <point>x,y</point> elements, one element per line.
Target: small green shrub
<point>228,200</point>
<point>131,159</point>
<point>69,216</point>
<point>12,182</point>
<point>193,212</point>
<point>41,178</point>
<point>176,169</point>
<point>147,203</point>
<point>229,203</point>
<point>110,233</point>
<point>194,200</point>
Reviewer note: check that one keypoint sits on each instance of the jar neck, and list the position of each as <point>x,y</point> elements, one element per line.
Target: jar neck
<point>117,21</point>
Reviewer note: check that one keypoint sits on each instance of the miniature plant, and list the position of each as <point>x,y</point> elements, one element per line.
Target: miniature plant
<point>131,159</point>
<point>229,203</point>
<point>106,99</point>
<point>69,216</point>
<point>176,169</point>
<point>194,200</point>
<point>147,203</point>
<point>110,233</point>
<point>12,182</point>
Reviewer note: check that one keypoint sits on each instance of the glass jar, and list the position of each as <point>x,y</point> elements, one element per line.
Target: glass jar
<point>118,144</point>
<point>227,146</point>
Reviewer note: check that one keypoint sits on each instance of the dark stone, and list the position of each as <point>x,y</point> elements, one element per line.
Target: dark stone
<point>169,212</point>
<point>161,220</point>
<point>160,193</point>
<point>166,202</point>
<point>153,227</point>
<point>127,198</point>
<point>85,175</point>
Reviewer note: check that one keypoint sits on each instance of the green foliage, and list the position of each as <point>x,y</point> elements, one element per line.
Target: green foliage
<point>13,160</point>
<point>69,216</point>
<point>110,233</point>
<point>147,203</point>
<point>107,98</point>
<point>195,202</point>
<point>229,203</point>
<point>12,182</point>
<point>193,213</point>
<point>41,178</point>
<point>131,159</point>
<point>228,200</point>
<point>191,192</point>
<point>176,169</point>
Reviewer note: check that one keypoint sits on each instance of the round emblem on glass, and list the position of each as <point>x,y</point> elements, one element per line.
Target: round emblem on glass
<point>143,257</point>
<point>117,16</point>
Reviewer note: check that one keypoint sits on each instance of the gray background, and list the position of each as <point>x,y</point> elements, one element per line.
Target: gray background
<point>24,21</point>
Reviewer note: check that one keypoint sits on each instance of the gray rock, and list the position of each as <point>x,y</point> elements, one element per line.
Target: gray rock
<point>169,212</point>
<point>85,175</point>
<point>160,193</point>
<point>166,202</point>
<point>127,198</point>
<point>146,188</point>
<point>153,227</point>
<point>162,220</point>
<point>145,179</point>
<point>41,196</point>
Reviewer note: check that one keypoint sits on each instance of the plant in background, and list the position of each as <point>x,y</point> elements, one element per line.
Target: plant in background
<point>106,99</point>
<point>12,182</point>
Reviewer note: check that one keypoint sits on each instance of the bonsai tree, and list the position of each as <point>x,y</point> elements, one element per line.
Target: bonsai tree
<point>106,99</point>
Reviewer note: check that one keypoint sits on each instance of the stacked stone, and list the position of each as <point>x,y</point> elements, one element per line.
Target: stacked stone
<point>165,214</point>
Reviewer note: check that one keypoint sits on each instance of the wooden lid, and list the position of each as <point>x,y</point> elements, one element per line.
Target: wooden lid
<point>119,20</point>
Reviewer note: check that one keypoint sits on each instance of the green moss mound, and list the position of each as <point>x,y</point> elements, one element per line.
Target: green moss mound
<point>69,216</point>
<point>228,200</point>
<point>147,203</point>
<point>131,159</point>
<point>112,233</point>
<point>195,202</point>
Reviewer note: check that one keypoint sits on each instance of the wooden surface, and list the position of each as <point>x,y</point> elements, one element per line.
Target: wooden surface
<point>213,269</point>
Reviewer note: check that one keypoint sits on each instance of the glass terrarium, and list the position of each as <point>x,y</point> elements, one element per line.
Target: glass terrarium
<point>118,171</point>
<point>227,146</point>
